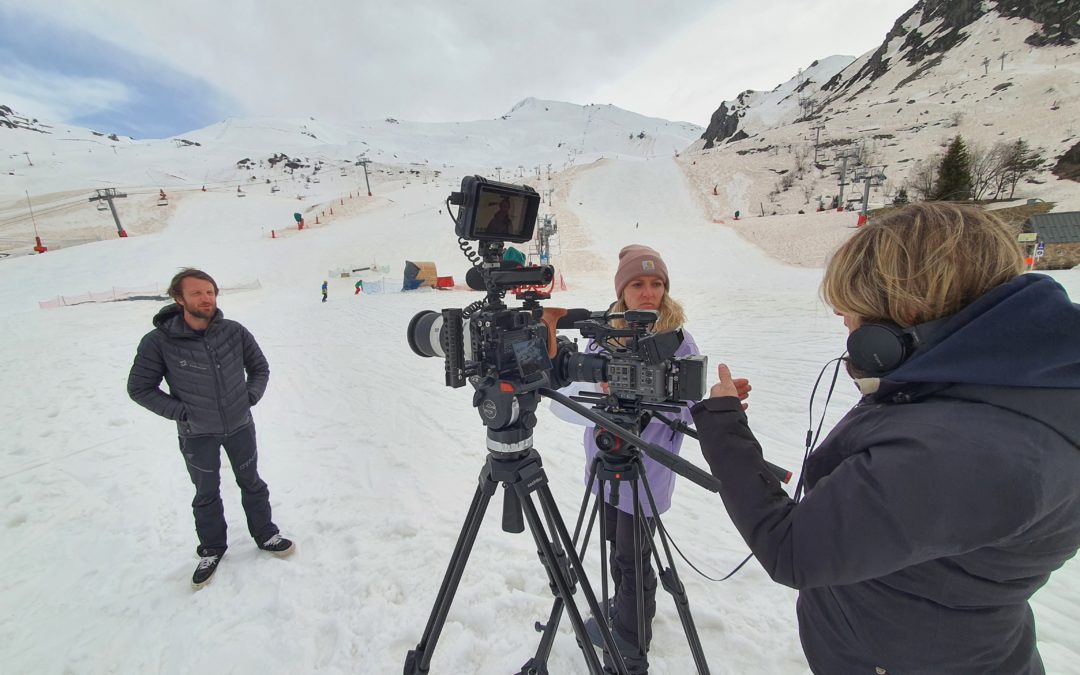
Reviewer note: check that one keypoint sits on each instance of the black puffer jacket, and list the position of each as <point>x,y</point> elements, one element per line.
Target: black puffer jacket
<point>935,508</point>
<point>213,378</point>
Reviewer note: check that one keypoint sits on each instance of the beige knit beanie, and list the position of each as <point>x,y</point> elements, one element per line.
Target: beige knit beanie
<point>636,261</point>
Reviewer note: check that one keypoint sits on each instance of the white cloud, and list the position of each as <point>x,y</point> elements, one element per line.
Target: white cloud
<point>430,60</point>
<point>747,44</point>
<point>53,96</point>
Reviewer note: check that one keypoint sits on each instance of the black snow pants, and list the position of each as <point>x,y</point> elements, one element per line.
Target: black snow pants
<point>620,535</point>
<point>202,454</point>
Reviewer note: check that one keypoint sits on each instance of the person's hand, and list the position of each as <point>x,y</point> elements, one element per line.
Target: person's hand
<point>739,388</point>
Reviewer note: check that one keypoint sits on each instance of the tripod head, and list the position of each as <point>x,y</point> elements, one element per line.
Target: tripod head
<point>632,440</point>
<point>632,414</point>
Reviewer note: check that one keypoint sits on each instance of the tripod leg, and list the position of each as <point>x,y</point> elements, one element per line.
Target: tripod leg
<point>601,509</point>
<point>639,571</point>
<point>565,588</point>
<point>586,590</point>
<point>418,660</point>
<point>538,664</point>
<point>669,578</point>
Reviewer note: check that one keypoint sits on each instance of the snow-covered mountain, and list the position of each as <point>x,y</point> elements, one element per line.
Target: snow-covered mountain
<point>989,71</point>
<point>40,156</point>
<point>307,161</point>
<point>785,104</point>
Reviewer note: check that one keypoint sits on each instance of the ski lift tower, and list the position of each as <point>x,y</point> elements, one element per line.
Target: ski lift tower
<point>548,228</point>
<point>364,163</point>
<point>871,176</point>
<point>107,195</point>
<point>843,156</point>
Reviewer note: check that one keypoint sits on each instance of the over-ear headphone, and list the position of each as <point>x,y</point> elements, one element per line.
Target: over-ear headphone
<point>876,348</point>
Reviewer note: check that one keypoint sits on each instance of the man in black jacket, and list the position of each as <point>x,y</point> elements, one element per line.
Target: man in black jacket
<point>216,373</point>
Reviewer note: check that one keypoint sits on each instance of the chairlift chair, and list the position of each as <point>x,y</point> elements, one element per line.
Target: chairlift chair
<point>162,201</point>
<point>101,206</point>
<point>274,188</point>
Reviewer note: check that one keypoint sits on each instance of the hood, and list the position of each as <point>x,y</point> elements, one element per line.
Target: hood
<point>1016,348</point>
<point>170,319</point>
<point>1024,333</point>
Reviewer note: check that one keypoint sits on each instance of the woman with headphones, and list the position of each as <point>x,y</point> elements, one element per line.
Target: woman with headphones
<point>939,504</point>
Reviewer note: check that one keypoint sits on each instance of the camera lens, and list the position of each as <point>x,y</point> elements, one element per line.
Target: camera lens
<point>424,332</point>
<point>587,367</point>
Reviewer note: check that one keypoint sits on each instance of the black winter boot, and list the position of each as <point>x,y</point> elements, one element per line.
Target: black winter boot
<point>204,573</point>
<point>278,545</point>
<point>636,663</point>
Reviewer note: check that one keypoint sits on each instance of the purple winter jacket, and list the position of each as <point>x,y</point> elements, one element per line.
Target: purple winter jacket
<point>661,479</point>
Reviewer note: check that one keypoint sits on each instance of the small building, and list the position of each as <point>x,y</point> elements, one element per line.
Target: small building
<point>1059,233</point>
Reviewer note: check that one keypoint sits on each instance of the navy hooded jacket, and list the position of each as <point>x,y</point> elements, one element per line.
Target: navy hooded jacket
<point>214,378</point>
<point>938,505</point>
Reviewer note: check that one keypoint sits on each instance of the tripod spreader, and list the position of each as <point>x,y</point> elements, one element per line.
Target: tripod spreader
<point>671,461</point>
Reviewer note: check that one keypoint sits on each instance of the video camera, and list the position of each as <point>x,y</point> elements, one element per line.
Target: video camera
<point>488,343</point>
<point>512,357</point>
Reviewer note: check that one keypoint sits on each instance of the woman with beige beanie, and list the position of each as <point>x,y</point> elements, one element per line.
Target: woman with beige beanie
<point>641,282</point>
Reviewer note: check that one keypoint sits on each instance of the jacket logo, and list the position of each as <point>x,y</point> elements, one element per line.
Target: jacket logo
<point>184,363</point>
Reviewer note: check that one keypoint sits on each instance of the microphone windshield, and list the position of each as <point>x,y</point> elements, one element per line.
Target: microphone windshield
<point>474,279</point>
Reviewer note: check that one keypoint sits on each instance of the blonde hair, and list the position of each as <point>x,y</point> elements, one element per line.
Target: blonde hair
<point>923,262</point>
<point>672,315</point>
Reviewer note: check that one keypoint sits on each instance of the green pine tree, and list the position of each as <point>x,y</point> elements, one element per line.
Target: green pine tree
<point>954,174</point>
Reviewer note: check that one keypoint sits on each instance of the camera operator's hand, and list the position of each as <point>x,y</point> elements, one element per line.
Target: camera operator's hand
<point>740,388</point>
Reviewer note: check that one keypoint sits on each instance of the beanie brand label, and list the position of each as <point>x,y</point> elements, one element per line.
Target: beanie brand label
<point>648,265</point>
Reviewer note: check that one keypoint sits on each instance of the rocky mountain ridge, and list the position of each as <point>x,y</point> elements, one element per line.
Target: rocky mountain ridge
<point>920,38</point>
<point>994,73</point>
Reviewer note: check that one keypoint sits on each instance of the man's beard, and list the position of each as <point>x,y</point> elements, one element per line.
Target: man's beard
<point>205,315</point>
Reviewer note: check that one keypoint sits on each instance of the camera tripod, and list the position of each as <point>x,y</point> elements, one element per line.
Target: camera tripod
<point>618,461</point>
<point>513,462</point>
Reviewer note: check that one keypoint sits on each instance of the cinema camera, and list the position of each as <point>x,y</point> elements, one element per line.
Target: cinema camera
<point>512,357</point>
<point>488,342</point>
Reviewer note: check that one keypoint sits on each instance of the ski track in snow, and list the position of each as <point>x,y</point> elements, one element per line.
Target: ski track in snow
<point>371,461</point>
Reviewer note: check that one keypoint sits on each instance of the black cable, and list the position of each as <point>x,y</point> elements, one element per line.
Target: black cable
<point>811,435</point>
<point>811,441</point>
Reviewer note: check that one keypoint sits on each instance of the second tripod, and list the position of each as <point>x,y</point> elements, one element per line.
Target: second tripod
<point>618,467</point>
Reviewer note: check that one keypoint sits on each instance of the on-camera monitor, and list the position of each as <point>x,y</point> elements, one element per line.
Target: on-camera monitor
<point>499,215</point>
<point>531,356</point>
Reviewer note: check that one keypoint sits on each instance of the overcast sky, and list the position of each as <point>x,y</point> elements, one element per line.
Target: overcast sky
<point>157,69</point>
